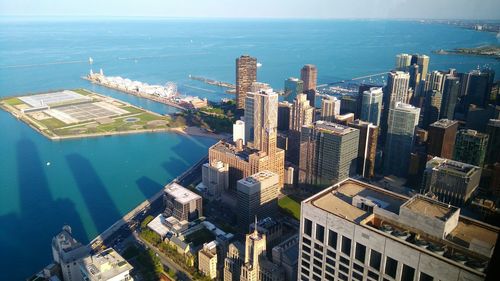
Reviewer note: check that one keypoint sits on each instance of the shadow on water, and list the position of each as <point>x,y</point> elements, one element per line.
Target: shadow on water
<point>36,202</point>
<point>148,187</point>
<point>93,191</point>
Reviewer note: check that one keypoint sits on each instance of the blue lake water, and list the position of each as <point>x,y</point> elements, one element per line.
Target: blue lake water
<point>93,182</point>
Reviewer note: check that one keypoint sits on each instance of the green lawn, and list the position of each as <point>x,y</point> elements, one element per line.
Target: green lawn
<point>13,101</point>
<point>52,123</point>
<point>290,206</point>
<point>82,92</point>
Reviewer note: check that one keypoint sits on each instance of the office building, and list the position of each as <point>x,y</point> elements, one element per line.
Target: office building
<point>441,138</point>
<point>330,107</point>
<point>432,107</point>
<point>246,74</point>
<point>479,87</point>
<point>371,106</point>
<point>451,181</point>
<point>478,117</point>
<point>397,88</point>
<point>257,196</point>
<point>181,203</point>
<point>434,81</point>
<point>272,228</point>
<point>234,261</point>
<point>367,147</point>
<point>286,255</point>
<point>207,260</point>
<point>239,131</point>
<point>309,75</point>
<point>66,252</point>
<point>451,91</point>
<point>402,121</point>
<point>423,64</point>
<point>357,231</point>
<point>302,113</point>
<point>261,120</point>
<point>415,78</point>
<point>349,104</point>
<point>328,153</point>
<point>470,147</point>
<point>107,265</point>
<point>293,87</point>
<point>284,113</point>
<point>311,97</point>
<point>493,131</point>
<point>403,61</point>
<point>215,179</point>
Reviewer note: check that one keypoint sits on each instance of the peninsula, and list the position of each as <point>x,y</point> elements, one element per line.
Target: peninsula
<point>81,113</point>
<point>486,51</point>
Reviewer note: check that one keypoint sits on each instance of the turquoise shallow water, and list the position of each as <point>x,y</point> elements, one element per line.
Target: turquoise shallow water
<point>92,182</point>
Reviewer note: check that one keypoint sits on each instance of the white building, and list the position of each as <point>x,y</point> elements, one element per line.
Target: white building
<point>182,203</point>
<point>371,106</point>
<point>215,179</point>
<point>66,252</point>
<point>239,131</point>
<point>330,107</point>
<point>107,265</point>
<point>207,259</point>
<point>357,231</point>
<point>403,61</point>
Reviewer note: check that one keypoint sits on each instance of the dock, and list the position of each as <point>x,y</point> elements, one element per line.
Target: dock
<point>213,82</point>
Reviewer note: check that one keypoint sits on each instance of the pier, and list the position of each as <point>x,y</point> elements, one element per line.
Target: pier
<point>212,82</point>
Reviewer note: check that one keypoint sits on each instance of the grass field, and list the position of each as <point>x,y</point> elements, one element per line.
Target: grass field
<point>199,237</point>
<point>290,205</point>
<point>13,101</point>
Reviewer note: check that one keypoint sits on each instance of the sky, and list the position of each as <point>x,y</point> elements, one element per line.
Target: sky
<point>320,9</point>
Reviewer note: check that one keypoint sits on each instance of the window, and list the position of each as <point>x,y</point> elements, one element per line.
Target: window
<point>318,247</point>
<point>331,254</point>
<point>346,245</point>
<point>308,227</point>
<point>373,275</point>
<point>306,264</point>
<point>332,239</point>
<point>306,241</point>
<point>408,273</point>
<point>305,271</point>
<point>375,259</point>
<point>343,277</point>
<point>316,278</point>
<point>358,267</point>
<point>306,256</point>
<point>343,269</point>
<point>330,262</point>
<point>318,263</point>
<point>344,261</point>
<point>357,276</point>
<point>329,277</point>
<point>306,249</point>
<point>320,233</point>
<point>425,277</point>
<point>391,266</point>
<point>360,252</point>
<point>318,255</point>
<point>317,270</point>
<point>330,270</point>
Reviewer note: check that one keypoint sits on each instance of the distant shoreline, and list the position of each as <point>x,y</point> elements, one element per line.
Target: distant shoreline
<point>489,51</point>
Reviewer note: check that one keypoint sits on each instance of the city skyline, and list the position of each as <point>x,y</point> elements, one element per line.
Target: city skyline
<point>280,9</point>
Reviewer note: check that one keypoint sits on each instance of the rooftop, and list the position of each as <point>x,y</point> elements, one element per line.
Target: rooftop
<point>332,128</point>
<point>453,167</point>
<point>105,265</point>
<point>472,133</point>
<point>444,123</point>
<point>180,193</point>
<point>258,177</point>
<point>430,208</point>
<point>230,148</point>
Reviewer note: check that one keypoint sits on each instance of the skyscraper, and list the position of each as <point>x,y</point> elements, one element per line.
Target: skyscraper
<point>493,130</point>
<point>284,113</point>
<point>432,107</point>
<point>257,196</point>
<point>470,147</point>
<point>451,181</point>
<point>246,74</point>
<point>328,153</point>
<point>414,76</point>
<point>239,131</point>
<point>367,148</point>
<point>302,113</point>
<point>397,87</point>
<point>371,106</point>
<point>441,138</point>
<point>309,75</point>
<point>451,91</point>
<point>423,64</point>
<point>402,121</point>
<point>479,87</point>
<point>215,178</point>
<point>330,106</point>
<point>261,120</point>
<point>403,61</point>
<point>434,81</point>
<point>357,231</point>
<point>293,87</point>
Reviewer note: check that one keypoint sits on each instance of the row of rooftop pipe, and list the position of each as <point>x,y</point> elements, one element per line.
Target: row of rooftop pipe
<point>438,249</point>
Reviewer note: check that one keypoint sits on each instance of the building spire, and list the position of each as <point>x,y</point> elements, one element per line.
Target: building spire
<point>255,231</point>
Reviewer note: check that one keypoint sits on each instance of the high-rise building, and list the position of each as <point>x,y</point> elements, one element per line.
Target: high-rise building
<point>234,261</point>
<point>357,231</point>
<point>284,113</point>
<point>397,88</point>
<point>451,181</point>
<point>349,104</point>
<point>371,106</point>
<point>207,260</point>
<point>493,131</point>
<point>311,97</point>
<point>257,196</point>
<point>441,138</point>
<point>423,64</point>
<point>182,203</point>
<point>302,113</point>
<point>451,91</point>
<point>479,87</point>
<point>246,74</point>
<point>286,255</point>
<point>470,147</point>
<point>293,87</point>
<point>330,106</point>
<point>403,61</point>
<point>309,75</point>
<point>432,107</point>
<point>239,131</point>
<point>66,252</point>
<point>367,147</point>
<point>261,120</point>
<point>415,78</point>
<point>328,153</point>
<point>434,81</point>
<point>215,179</point>
<point>107,265</point>
<point>402,121</point>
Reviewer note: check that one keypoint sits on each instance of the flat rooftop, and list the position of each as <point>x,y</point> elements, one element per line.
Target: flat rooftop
<point>230,148</point>
<point>444,123</point>
<point>258,177</point>
<point>180,193</point>
<point>333,128</point>
<point>105,265</point>
<point>430,208</point>
<point>338,199</point>
<point>453,167</point>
